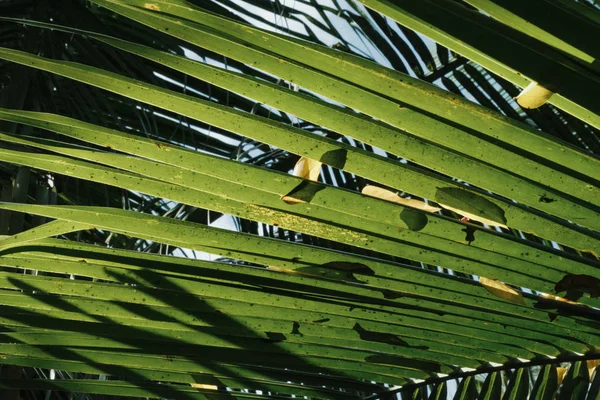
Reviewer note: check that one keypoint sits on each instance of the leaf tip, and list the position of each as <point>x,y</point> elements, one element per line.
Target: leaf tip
<point>533,96</point>
<point>501,290</point>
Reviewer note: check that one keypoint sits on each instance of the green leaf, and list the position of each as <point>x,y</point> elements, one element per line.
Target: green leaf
<point>594,392</point>
<point>439,392</point>
<point>117,388</point>
<point>549,26</point>
<point>576,187</point>
<point>546,384</point>
<point>498,48</point>
<point>465,202</point>
<point>492,387</point>
<point>466,389</point>
<point>518,387</point>
<point>575,384</point>
<point>53,228</point>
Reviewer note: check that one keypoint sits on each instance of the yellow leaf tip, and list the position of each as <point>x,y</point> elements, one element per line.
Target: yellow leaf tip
<point>204,386</point>
<point>308,169</point>
<point>291,200</point>
<point>533,96</point>
<point>501,290</point>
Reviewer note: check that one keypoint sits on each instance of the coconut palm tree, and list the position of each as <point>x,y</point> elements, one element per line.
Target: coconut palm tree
<point>307,198</point>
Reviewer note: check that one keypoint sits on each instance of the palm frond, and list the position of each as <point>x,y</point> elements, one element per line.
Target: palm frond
<point>157,246</point>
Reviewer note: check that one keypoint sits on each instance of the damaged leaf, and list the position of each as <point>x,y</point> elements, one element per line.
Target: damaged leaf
<point>501,290</point>
<point>388,195</point>
<point>533,96</point>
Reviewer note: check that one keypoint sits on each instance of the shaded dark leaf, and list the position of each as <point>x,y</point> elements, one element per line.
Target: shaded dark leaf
<point>578,283</point>
<point>382,337</point>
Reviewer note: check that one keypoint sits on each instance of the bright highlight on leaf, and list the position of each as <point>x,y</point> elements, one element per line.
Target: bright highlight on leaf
<point>388,195</point>
<point>561,299</point>
<point>203,386</point>
<point>153,7</point>
<point>308,169</point>
<point>501,290</point>
<point>533,96</point>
